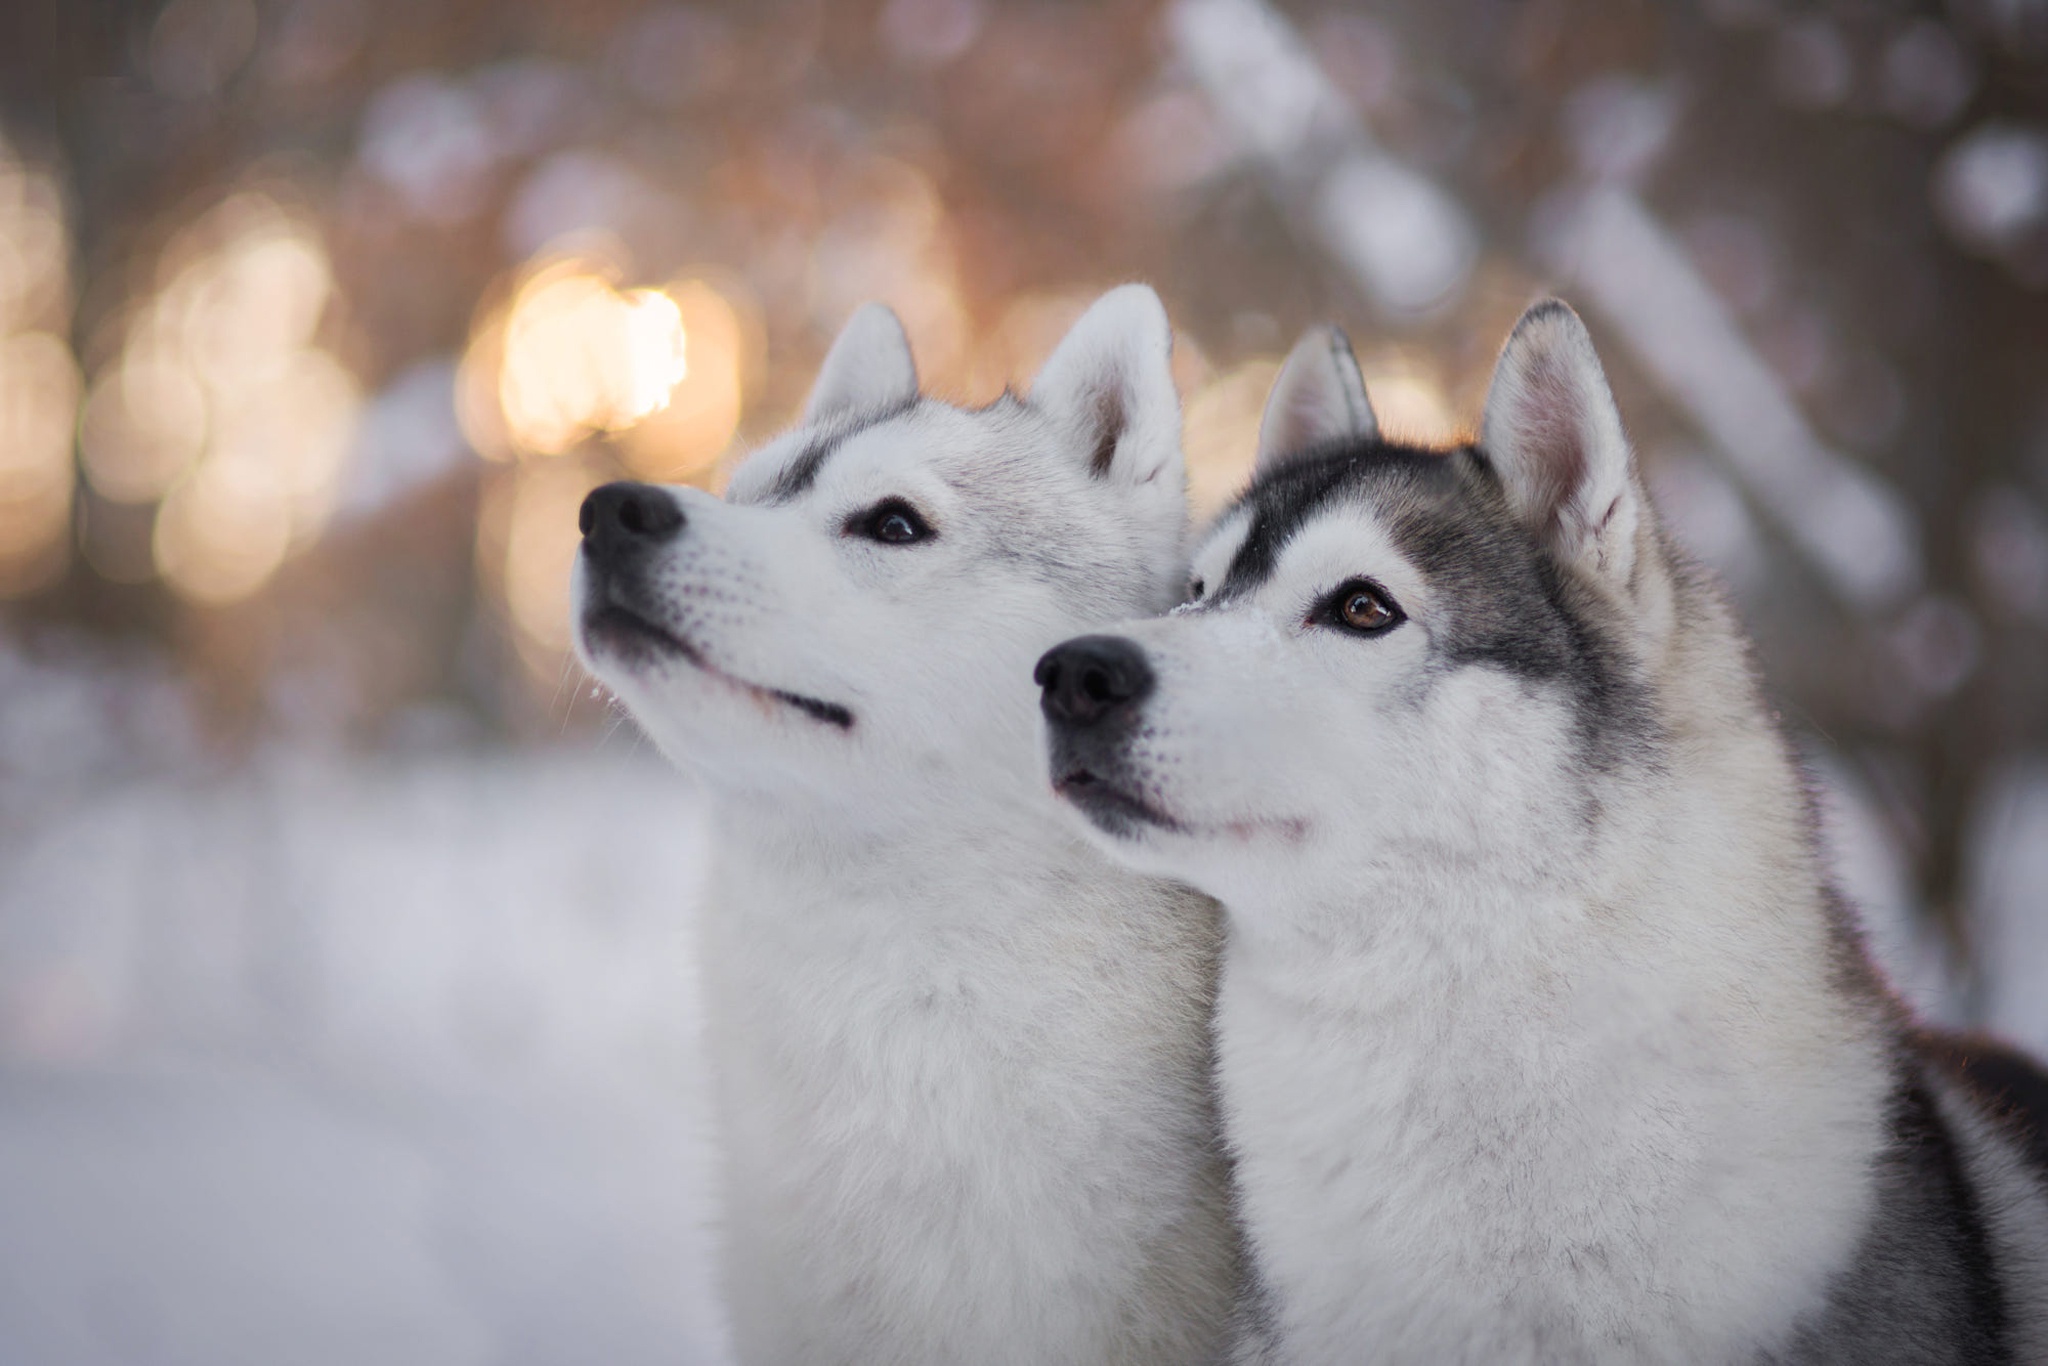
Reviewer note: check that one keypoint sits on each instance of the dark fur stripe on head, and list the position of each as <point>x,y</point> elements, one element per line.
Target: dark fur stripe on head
<point>800,473</point>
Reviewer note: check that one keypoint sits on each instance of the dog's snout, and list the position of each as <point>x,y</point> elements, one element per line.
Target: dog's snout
<point>623,517</point>
<point>1088,680</point>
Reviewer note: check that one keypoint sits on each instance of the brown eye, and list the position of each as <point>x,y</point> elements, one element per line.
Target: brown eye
<point>1364,611</point>
<point>1360,607</point>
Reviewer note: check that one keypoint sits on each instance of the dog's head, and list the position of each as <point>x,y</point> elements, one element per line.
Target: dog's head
<point>1388,652</point>
<point>864,604</point>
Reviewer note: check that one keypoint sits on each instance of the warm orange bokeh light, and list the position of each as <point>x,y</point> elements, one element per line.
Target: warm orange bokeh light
<point>576,356</point>
<point>683,439</point>
<point>1221,427</point>
<point>571,356</point>
<point>222,531</point>
<point>144,424</point>
<point>526,546</point>
<point>39,384</point>
<point>220,402</point>
<point>1221,423</point>
<point>1408,398</point>
<point>38,400</point>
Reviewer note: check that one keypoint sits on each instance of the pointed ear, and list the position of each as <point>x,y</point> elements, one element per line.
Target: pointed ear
<point>1553,433</point>
<point>868,369</point>
<point>1318,396</point>
<point>1110,384</point>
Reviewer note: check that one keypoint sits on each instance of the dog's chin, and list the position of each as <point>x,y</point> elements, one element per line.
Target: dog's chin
<point>1138,829</point>
<point>1112,806</point>
<point>612,636</point>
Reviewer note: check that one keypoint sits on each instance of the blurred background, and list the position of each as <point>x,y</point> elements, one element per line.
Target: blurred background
<point>346,1002</point>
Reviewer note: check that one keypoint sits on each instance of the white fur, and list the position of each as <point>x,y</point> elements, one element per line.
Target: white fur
<point>962,1059</point>
<point>1522,1059</point>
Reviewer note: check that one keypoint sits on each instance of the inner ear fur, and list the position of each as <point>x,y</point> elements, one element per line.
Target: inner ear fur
<point>1554,435</point>
<point>1318,397</point>
<point>1109,383</point>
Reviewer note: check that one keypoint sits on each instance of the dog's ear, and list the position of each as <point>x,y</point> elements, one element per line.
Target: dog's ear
<point>1552,432</point>
<point>1318,396</point>
<point>1109,384</point>
<point>868,369</point>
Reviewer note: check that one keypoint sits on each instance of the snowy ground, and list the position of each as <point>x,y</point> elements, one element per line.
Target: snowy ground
<point>350,1063</point>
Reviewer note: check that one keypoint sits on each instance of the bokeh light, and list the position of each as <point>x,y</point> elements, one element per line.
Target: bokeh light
<point>1221,432</point>
<point>220,401</point>
<point>38,398</point>
<point>38,379</point>
<point>1220,423</point>
<point>571,356</point>
<point>684,437</point>
<point>576,379</point>
<point>892,240</point>
<point>1408,398</point>
<point>144,423</point>
<point>222,530</point>
<point>1011,352</point>
<point>35,252</point>
<point>526,547</point>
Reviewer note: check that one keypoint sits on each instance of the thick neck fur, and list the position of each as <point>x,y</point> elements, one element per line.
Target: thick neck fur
<point>1618,1108</point>
<point>964,1081</point>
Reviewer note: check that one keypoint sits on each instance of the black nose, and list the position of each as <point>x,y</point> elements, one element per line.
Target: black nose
<point>1092,678</point>
<point>619,519</point>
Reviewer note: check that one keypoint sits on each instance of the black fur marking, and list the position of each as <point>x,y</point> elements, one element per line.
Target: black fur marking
<point>1923,1284</point>
<point>1510,605</point>
<point>2011,1087</point>
<point>831,713</point>
<point>802,472</point>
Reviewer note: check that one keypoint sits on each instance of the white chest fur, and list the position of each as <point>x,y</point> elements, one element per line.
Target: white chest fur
<point>964,1106</point>
<point>1595,1154</point>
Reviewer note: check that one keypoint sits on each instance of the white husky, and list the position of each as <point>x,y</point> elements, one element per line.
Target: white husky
<point>963,1063</point>
<point>1540,1035</point>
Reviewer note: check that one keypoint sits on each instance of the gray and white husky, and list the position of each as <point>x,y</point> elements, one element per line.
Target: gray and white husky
<point>1540,1036</point>
<point>962,1060</point>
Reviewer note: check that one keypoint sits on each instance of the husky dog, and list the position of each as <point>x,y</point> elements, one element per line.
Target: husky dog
<point>962,1060</point>
<point>1540,1035</point>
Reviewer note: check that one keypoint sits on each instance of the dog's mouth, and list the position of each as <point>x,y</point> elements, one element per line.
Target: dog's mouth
<point>618,630</point>
<point>1115,809</point>
<point>1112,809</point>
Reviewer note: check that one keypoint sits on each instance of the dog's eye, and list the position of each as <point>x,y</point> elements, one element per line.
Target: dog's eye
<point>1360,607</point>
<point>891,521</point>
<point>1195,588</point>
